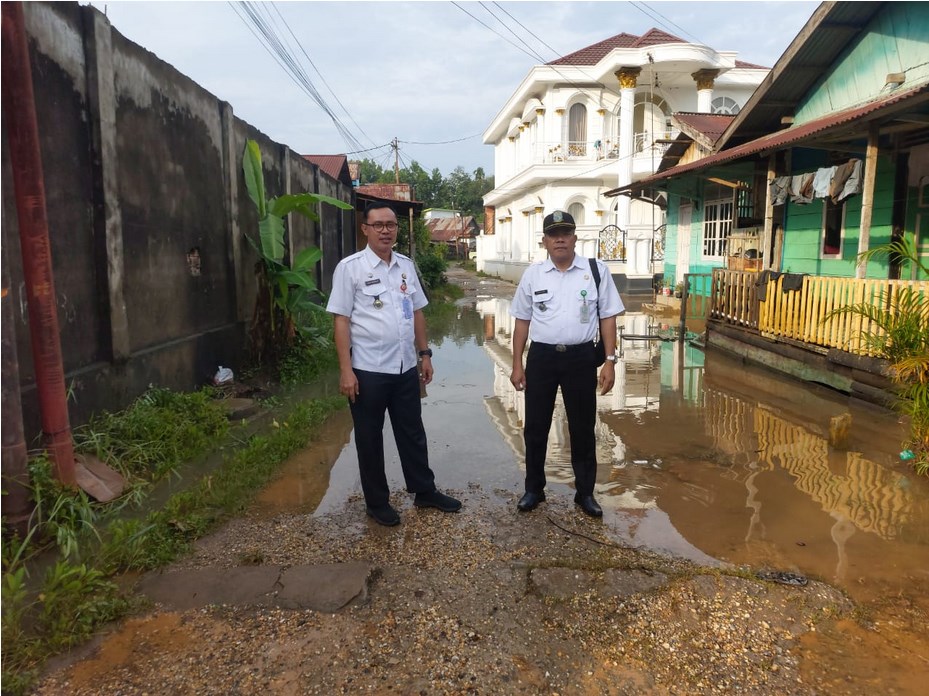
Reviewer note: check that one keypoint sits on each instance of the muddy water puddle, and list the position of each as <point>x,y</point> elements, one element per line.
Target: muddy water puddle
<point>699,456</point>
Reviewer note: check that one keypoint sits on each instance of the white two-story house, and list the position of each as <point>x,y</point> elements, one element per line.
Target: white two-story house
<point>589,122</point>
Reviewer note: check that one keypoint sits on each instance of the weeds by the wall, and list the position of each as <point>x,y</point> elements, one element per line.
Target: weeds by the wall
<point>92,542</point>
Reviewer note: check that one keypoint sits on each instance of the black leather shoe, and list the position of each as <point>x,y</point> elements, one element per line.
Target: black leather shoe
<point>530,501</point>
<point>588,504</point>
<point>443,502</point>
<point>386,515</point>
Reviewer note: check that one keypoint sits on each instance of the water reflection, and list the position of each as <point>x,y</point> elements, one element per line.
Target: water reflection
<point>706,456</point>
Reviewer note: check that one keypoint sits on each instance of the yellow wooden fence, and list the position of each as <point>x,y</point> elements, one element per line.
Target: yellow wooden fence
<point>800,314</point>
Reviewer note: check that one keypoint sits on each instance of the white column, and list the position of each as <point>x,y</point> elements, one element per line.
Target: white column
<point>627,82</point>
<point>705,80</point>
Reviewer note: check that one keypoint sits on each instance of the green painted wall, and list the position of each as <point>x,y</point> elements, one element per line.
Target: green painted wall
<point>803,226</point>
<point>897,40</point>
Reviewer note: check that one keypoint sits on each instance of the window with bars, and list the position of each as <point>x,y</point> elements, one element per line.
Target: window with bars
<point>717,224</point>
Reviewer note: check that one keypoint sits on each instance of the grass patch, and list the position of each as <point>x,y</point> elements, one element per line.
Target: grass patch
<point>88,543</point>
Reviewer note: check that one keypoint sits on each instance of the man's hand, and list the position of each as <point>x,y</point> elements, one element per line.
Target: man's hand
<point>607,377</point>
<point>518,377</point>
<point>348,384</point>
<point>425,370</point>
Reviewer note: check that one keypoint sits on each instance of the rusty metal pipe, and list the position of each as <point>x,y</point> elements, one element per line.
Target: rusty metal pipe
<point>25,157</point>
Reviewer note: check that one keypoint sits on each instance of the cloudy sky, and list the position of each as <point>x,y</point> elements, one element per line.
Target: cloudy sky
<point>426,73</point>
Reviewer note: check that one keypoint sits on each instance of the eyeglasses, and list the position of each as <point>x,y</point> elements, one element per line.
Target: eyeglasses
<point>381,226</point>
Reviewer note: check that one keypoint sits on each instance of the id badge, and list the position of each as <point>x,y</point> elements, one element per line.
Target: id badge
<point>585,312</point>
<point>407,305</point>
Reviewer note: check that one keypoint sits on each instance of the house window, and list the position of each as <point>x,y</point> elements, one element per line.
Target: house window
<point>717,223</point>
<point>650,120</point>
<point>577,131</point>
<point>833,227</point>
<point>576,210</point>
<point>725,105</point>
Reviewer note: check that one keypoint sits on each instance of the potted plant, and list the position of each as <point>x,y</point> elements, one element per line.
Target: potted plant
<point>679,289</point>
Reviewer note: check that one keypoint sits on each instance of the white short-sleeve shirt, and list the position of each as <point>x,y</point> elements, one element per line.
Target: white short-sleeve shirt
<point>380,300</point>
<point>554,301</point>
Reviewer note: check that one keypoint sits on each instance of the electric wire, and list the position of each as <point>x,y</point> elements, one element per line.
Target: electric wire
<point>515,35</point>
<point>283,55</point>
<point>321,77</point>
<point>487,26</point>
<point>677,27</point>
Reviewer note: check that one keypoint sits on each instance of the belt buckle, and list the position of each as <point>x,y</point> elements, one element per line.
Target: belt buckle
<point>561,347</point>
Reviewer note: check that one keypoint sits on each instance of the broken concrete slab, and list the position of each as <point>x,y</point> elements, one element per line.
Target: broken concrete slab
<point>326,587</point>
<point>188,589</point>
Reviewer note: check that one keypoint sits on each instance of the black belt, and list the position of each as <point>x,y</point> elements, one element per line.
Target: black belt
<point>562,347</point>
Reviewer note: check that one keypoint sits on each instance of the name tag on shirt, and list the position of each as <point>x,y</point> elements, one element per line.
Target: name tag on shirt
<point>372,282</point>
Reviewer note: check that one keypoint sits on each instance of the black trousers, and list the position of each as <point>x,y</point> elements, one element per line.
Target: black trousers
<point>573,370</point>
<point>398,395</point>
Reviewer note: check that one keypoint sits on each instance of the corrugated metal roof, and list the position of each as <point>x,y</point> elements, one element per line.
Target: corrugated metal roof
<point>827,33</point>
<point>793,136</point>
<point>450,229</point>
<point>710,125</point>
<point>591,55</point>
<point>396,192</point>
<point>335,166</point>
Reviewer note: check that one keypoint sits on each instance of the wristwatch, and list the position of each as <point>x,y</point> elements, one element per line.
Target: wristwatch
<point>612,358</point>
<point>425,353</point>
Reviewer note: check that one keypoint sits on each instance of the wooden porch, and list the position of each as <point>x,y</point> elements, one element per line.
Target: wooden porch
<point>742,299</point>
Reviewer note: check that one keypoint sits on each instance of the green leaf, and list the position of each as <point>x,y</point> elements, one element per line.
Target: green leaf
<point>307,258</point>
<point>304,203</point>
<point>271,231</point>
<point>299,278</point>
<point>254,177</point>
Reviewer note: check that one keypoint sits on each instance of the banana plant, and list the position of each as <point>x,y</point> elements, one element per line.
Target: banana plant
<point>286,293</point>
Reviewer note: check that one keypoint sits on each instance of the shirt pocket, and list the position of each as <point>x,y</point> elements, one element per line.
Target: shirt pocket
<point>374,291</point>
<point>542,300</point>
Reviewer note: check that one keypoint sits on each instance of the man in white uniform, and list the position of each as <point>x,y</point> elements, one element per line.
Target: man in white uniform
<point>380,331</point>
<point>557,304</point>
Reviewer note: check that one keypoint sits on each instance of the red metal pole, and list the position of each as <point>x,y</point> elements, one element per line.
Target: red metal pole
<point>26,159</point>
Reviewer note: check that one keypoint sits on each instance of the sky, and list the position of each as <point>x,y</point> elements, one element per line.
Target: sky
<point>430,74</point>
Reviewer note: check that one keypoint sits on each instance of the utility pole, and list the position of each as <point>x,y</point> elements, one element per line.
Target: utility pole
<point>395,144</point>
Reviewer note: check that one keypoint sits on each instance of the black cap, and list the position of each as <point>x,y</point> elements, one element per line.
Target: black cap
<point>558,222</point>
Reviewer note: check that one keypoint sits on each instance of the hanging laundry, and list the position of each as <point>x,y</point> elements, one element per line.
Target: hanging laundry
<point>842,174</point>
<point>779,187</point>
<point>853,185</point>
<point>761,284</point>
<point>822,180</point>
<point>801,188</point>
<point>792,282</point>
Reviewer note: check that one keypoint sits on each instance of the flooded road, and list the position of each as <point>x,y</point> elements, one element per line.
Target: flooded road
<point>699,456</point>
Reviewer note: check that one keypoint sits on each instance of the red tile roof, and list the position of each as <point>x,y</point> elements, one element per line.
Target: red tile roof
<point>784,138</point>
<point>592,54</point>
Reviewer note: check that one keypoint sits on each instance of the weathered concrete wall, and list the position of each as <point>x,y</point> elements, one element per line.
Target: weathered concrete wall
<point>148,215</point>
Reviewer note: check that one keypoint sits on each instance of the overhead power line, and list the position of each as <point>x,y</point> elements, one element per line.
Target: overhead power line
<point>265,29</point>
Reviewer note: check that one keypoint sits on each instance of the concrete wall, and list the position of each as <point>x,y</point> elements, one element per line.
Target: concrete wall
<point>142,169</point>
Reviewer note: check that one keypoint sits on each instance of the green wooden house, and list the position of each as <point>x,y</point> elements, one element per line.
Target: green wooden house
<point>829,158</point>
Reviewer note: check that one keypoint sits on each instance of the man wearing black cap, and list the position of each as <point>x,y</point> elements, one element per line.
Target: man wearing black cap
<point>560,306</point>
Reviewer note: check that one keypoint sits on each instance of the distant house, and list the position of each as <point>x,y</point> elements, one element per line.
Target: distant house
<point>589,122</point>
<point>456,233</point>
<point>335,166</point>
